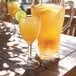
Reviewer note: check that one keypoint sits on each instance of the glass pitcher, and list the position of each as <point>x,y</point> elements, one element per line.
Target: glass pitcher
<point>51,13</point>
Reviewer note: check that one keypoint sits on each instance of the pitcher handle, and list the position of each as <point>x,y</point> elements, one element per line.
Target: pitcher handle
<point>67,25</point>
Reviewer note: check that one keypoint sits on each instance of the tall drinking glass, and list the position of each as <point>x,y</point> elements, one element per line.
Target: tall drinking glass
<point>13,6</point>
<point>29,29</point>
<point>51,13</point>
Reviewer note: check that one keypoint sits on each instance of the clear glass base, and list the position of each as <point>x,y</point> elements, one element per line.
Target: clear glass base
<point>49,56</point>
<point>32,64</point>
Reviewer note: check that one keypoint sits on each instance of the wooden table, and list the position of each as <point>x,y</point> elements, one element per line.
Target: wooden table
<point>14,49</point>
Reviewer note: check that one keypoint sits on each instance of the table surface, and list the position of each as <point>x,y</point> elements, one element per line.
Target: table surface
<point>14,50</point>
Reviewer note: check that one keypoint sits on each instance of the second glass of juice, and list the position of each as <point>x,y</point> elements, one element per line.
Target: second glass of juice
<point>52,18</point>
<point>13,6</point>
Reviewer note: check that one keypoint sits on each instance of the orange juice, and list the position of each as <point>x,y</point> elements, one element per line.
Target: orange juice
<point>52,18</point>
<point>29,29</point>
<point>12,8</point>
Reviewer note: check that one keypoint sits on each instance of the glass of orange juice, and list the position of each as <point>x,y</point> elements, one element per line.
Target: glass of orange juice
<point>29,29</point>
<point>51,13</point>
<point>13,6</point>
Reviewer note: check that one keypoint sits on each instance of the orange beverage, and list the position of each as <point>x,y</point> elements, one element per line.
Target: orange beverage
<point>52,18</point>
<point>29,29</point>
<point>12,8</point>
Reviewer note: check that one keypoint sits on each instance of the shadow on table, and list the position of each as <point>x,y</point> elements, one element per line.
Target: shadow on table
<point>47,67</point>
<point>50,71</point>
<point>9,59</point>
<point>12,56</point>
<point>11,50</point>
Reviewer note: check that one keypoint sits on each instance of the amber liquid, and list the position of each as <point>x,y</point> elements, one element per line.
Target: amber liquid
<point>52,18</point>
<point>29,29</point>
<point>12,8</point>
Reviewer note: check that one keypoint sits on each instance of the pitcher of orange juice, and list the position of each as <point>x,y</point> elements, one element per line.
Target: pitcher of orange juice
<point>51,13</point>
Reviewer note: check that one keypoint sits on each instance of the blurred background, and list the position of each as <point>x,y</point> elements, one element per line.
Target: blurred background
<point>25,5</point>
